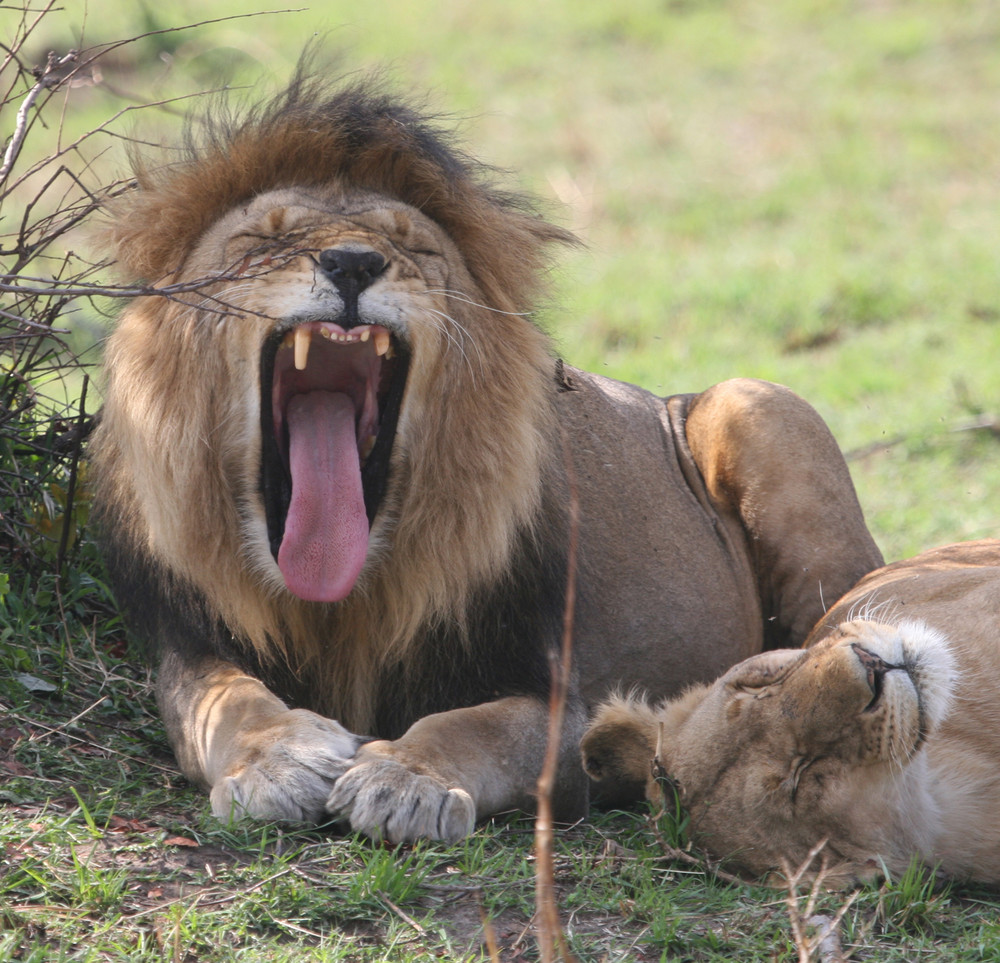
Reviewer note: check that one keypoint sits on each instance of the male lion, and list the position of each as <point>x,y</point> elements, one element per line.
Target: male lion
<point>882,737</point>
<point>335,465</point>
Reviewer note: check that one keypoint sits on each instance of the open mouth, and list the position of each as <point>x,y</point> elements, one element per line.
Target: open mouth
<point>330,402</point>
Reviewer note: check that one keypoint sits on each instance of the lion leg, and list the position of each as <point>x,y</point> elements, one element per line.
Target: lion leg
<point>770,463</point>
<point>256,756</point>
<point>452,768</point>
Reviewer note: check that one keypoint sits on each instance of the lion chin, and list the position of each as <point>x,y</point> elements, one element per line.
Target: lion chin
<point>336,465</point>
<point>881,737</point>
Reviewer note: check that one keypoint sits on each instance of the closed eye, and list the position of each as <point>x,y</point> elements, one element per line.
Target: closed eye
<point>756,691</point>
<point>799,765</point>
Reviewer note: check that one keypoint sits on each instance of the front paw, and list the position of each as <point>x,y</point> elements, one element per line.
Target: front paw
<point>286,770</point>
<point>385,800</point>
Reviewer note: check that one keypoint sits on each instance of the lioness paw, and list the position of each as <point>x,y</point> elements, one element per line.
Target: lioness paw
<point>286,771</point>
<point>385,800</point>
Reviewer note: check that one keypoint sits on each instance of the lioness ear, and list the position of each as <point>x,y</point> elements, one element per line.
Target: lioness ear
<point>765,669</point>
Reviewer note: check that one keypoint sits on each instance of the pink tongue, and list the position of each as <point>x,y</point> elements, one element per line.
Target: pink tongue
<point>326,531</point>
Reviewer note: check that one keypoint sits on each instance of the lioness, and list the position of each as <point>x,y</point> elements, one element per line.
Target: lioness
<point>882,737</point>
<point>334,470</point>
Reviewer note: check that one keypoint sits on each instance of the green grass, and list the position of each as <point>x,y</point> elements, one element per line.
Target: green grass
<point>799,190</point>
<point>109,855</point>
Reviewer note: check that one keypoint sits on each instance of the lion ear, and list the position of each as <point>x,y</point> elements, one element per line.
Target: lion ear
<point>766,669</point>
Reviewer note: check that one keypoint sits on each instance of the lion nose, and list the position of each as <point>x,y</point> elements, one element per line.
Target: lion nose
<point>351,272</point>
<point>876,669</point>
<point>353,269</point>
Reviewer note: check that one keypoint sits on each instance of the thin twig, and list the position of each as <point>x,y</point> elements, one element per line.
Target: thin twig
<point>47,80</point>
<point>25,32</point>
<point>824,943</point>
<point>409,920</point>
<point>548,927</point>
<point>40,287</point>
<point>21,121</point>
<point>489,930</point>
<point>104,49</point>
<point>80,715</point>
<point>230,896</point>
<point>983,422</point>
<point>60,731</point>
<point>295,928</point>
<point>41,327</point>
<point>827,938</point>
<point>674,855</point>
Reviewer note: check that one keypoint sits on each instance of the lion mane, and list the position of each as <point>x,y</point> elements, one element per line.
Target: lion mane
<point>334,476</point>
<point>467,500</point>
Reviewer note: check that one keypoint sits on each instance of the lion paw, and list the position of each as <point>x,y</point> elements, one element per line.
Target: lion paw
<point>288,770</point>
<point>385,800</point>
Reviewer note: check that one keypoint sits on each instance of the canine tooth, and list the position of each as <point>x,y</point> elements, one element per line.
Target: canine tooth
<point>381,342</point>
<point>303,338</point>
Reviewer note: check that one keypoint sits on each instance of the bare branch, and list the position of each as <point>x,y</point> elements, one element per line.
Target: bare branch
<point>104,49</point>
<point>816,936</point>
<point>21,121</point>
<point>25,33</point>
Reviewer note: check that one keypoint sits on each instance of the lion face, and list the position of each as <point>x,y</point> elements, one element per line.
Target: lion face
<point>316,304</point>
<point>325,412</point>
<point>318,405</point>
<point>792,747</point>
<point>339,293</point>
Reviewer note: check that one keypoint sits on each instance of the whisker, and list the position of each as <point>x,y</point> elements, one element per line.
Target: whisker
<point>459,343</point>
<point>465,299</point>
<point>884,612</point>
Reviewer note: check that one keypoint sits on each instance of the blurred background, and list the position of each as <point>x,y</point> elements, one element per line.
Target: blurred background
<point>799,190</point>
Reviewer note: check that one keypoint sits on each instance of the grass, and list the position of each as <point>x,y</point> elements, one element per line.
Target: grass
<point>108,856</point>
<point>800,191</point>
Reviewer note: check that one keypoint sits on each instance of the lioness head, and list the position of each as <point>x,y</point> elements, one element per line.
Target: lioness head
<point>791,747</point>
<point>316,381</point>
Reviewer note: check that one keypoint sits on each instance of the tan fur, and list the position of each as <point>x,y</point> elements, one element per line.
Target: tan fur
<point>795,746</point>
<point>443,546</point>
<point>684,566</point>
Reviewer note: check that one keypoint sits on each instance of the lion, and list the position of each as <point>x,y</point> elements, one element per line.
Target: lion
<point>881,737</point>
<point>338,463</point>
